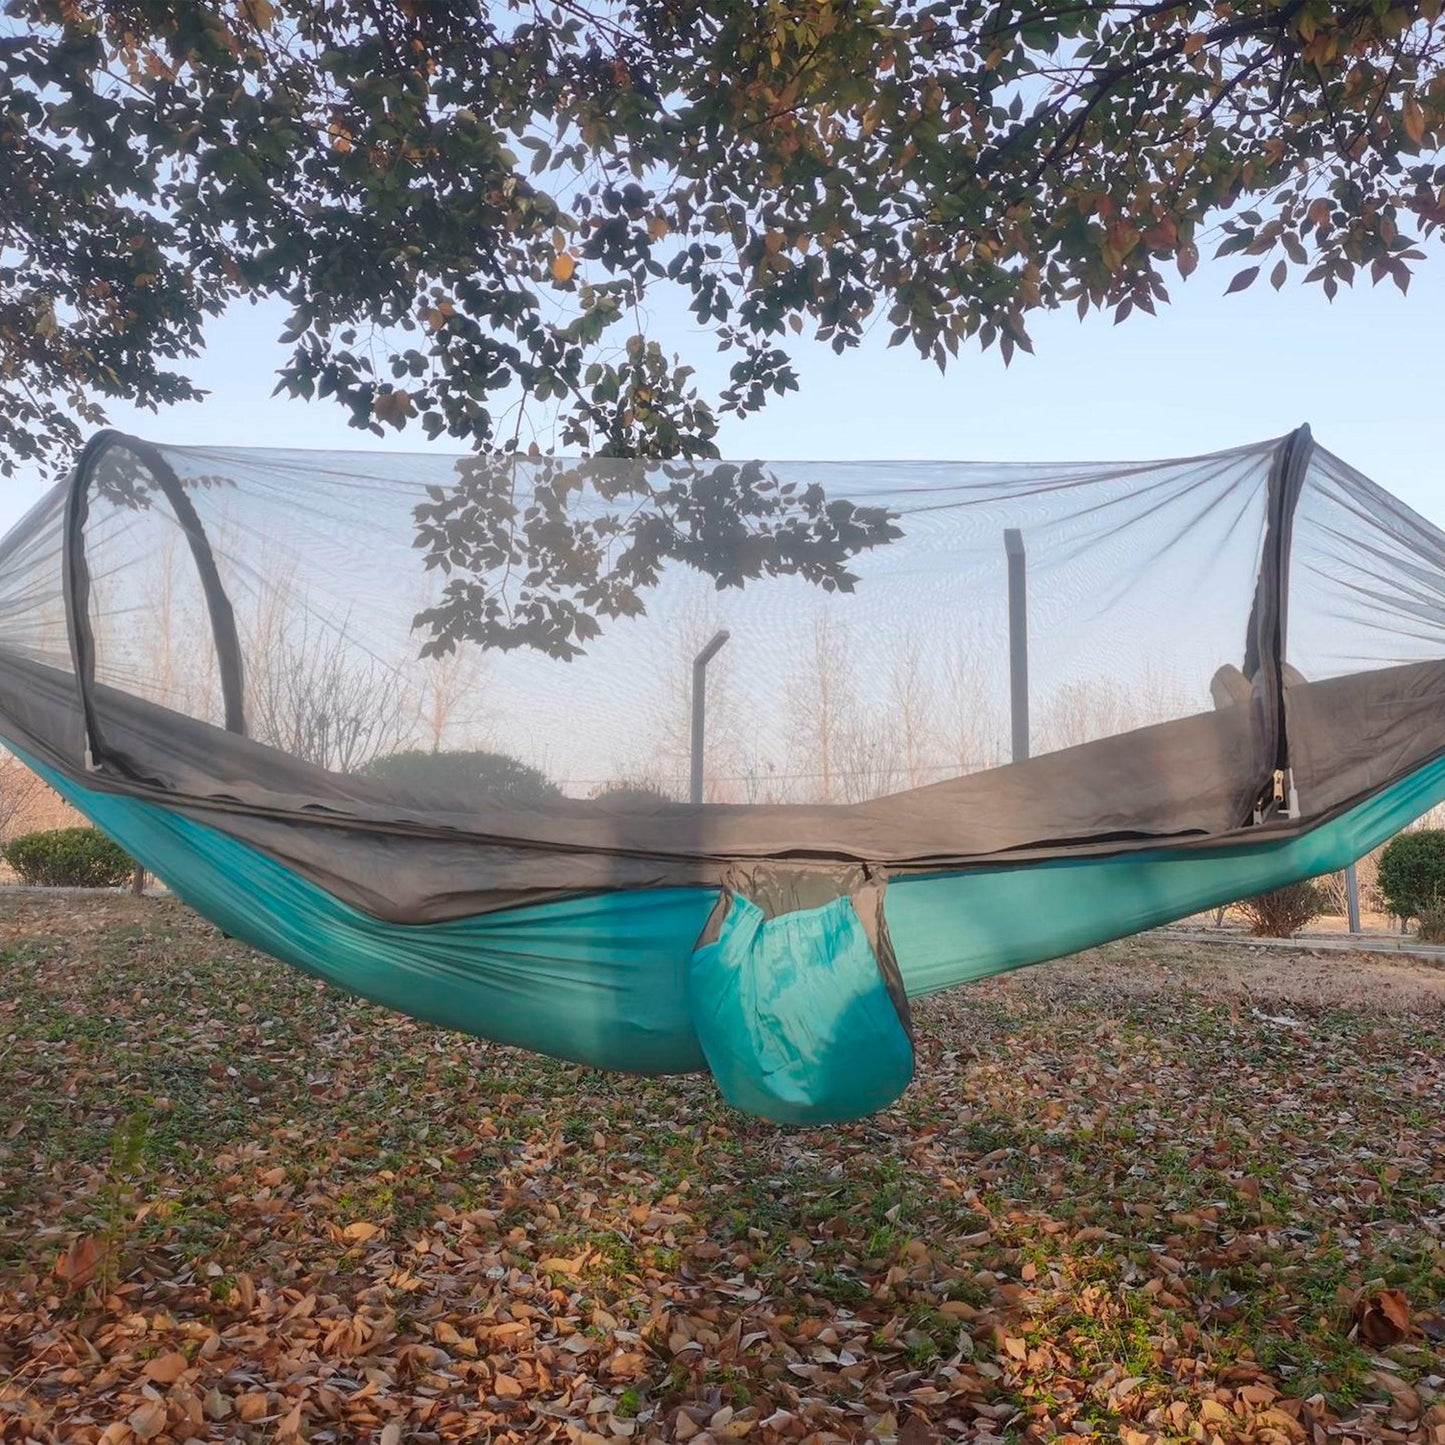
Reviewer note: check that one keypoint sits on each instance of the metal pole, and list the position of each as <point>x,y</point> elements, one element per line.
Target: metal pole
<point>699,710</point>
<point>1352,896</point>
<point>1018,641</point>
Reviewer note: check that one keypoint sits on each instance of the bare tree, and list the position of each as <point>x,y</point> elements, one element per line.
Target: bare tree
<point>448,686</point>
<point>869,757</point>
<point>320,696</point>
<point>822,708</point>
<point>19,790</point>
<point>449,695</point>
<point>1087,708</point>
<point>1161,695</point>
<point>1082,710</point>
<point>176,649</point>
<point>974,728</point>
<point>158,619</point>
<point>913,712</point>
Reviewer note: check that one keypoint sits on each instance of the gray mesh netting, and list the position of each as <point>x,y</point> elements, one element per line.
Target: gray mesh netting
<point>355,611</point>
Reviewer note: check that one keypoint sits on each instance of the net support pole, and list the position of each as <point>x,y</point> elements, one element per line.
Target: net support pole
<point>1265,649</point>
<point>1352,897</point>
<point>76,582</point>
<point>1018,640</point>
<point>699,710</point>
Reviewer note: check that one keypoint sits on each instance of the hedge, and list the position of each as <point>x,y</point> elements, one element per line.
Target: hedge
<point>1412,872</point>
<point>69,858</point>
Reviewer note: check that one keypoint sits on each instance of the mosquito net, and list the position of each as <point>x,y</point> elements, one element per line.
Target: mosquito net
<point>833,688</point>
<point>508,648</point>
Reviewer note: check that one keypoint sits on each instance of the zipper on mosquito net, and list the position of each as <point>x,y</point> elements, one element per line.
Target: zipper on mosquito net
<point>1282,798</point>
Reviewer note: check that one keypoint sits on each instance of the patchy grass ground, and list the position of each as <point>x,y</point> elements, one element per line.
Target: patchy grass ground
<point>1117,1203</point>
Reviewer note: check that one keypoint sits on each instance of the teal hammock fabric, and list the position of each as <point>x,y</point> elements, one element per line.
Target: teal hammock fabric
<point>795,1017</point>
<point>1235,672</point>
<point>605,980</point>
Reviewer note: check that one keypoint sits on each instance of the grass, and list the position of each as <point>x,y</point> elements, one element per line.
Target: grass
<point>1115,1204</point>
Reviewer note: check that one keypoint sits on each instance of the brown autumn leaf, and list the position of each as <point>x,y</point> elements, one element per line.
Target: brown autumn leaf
<point>78,1265</point>
<point>1383,1317</point>
<point>252,1406</point>
<point>166,1369</point>
<point>563,266</point>
<point>1405,1400</point>
<point>289,1427</point>
<point>915,1430</point>
<point>1412,118</point>
<point>260,13</point>
<point>148,1420</point>
<point>393,406</point>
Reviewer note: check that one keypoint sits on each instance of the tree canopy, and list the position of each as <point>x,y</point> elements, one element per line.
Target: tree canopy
<point>470,208</point>
<point>466,204</point>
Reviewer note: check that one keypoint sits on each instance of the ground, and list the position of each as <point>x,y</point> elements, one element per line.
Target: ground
<point>1155,1192</point>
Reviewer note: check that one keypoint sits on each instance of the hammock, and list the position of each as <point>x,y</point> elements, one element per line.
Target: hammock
<point>967,718</point>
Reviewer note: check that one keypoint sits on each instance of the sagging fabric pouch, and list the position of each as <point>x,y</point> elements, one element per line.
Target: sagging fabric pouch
<point>796,996</point>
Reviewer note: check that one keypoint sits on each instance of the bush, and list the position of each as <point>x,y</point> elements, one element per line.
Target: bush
<point>626,792</point>
<point>69,858</point>
<point>465,777</point>
<point>1412,872</point>
<point>1430,928</point>
<point>1283,911</point>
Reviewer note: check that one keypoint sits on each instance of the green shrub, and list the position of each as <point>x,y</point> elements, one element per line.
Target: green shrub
<point>69,858</point>
<point>465,777</point>
<point>625,792</point>
<point>1412,872</point>
<point>1283,911</point>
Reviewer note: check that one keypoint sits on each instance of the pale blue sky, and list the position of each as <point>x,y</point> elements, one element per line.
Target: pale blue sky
<point>1368,373</point>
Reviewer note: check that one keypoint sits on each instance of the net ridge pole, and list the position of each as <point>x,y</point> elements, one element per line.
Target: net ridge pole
<point>75,587</point>
<point>76,582</point>
<point>1266,643</point>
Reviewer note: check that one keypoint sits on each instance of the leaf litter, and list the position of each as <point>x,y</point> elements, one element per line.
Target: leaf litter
<point>1157,1192</point>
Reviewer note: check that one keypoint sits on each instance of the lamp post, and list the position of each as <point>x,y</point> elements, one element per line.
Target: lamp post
<point>699,709</point>
<point>1018,641</point>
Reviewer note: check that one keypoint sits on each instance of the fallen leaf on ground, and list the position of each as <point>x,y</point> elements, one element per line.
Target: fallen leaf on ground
<point>1383,1317</point>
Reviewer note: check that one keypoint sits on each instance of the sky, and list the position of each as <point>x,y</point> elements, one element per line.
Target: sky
<point>1210,371</point>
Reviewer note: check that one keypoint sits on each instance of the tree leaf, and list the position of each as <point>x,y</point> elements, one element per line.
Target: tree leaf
<point>1412,119</point>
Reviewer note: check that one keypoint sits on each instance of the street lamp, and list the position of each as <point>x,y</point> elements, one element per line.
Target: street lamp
<point>699,709</point>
